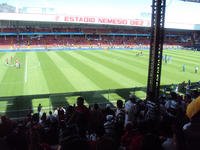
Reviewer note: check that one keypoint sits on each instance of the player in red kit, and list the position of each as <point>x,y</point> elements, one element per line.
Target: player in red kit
<point>7,61</point>
<point>16,62</point>
<point>11,58</point>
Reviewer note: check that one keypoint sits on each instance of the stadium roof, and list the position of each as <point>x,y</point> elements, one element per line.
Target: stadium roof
<point>196,1</point>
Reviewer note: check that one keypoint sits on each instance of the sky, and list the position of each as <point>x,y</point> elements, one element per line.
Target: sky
<point>176,10</point>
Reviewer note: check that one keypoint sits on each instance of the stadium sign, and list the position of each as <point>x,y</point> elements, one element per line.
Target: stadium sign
<point>74,19</point>
<point>103,20</point>
<point>93,20</point>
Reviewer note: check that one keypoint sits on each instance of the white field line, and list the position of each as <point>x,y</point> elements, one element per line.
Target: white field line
<point>25,79</point>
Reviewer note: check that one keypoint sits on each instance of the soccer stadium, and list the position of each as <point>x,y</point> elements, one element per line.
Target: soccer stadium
<point>85,79</point>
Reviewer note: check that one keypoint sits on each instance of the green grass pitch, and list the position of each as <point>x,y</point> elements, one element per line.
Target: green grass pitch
<point>57,77</point>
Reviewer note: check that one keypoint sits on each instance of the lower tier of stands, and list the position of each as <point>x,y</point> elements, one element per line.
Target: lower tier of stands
<point>83,41</point>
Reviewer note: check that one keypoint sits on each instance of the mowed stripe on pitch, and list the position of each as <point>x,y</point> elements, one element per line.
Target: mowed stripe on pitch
<point>36,81</point>
<point>12,82</point>
<point>134,62</point>
<point>95,72</point>
<point>117,66</point>
<point>79,81</point>
<point>187,58</point>
<point>172,72</point>
<point>167,76</point>
<point>3,65</point>
<point>109,72</point>
<point>56,80</point>
<point>183,53</point>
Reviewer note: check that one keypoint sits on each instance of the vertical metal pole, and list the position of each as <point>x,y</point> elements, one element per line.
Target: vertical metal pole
<point>156,47</point>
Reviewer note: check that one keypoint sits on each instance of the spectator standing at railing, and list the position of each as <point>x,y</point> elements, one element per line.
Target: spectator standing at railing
<point>39,110</point>
<point>61,113</point>
<point>130,110</point>
<point>51,117</point>
<point>109,126</point>
<point>81,117</point>
<point>97,118</point>
<point>119,121</point>
<point>56,112</point>
<point>108,111</point>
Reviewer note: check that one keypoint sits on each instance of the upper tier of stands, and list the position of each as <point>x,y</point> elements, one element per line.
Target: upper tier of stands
<point>87,37</point>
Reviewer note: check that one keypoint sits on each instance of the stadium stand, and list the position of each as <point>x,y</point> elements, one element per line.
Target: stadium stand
<point>94,128</point>
<point>88,37</point>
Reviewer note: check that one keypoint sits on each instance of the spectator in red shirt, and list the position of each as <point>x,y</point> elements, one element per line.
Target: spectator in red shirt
<point>81,117</point>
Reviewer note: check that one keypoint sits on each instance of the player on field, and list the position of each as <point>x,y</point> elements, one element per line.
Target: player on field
<point>166,58</point>
<point>169,58</point>
<point>163,57</point>
<point>7,61</point>
<point>19,65</point>
<point>184,68</point>
<point>196,69</point>
<point>16,63</point>
<point>11,58</point>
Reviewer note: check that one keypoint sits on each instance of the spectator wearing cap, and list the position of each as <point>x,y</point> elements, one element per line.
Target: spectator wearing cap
<point>130,110</point>
<point>108,111</point>
<point>171,105</point>
<point>192,129</point>
<point>109,126</point>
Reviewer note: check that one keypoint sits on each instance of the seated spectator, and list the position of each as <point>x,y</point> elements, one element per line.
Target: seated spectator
<point>147,142</point>
<point>192,130</point>
<point>166,134</point>
<point>106,143</point>
<point>3,144</point>
<point>75,143</point>
<point>129,134</point>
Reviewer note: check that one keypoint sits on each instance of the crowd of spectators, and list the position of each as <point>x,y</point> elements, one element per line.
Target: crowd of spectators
<point>90,38</point>
<point>170,123</point>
